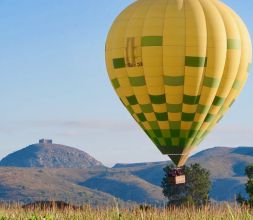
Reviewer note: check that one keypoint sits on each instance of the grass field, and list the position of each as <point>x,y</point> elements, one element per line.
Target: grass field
<point>222,212</point>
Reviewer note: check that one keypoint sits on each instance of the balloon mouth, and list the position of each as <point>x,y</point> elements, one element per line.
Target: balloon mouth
<point>178,159</point>
<point>177,154</point>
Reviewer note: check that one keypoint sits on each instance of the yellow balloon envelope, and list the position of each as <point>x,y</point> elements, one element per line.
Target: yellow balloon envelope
<point>178,66</point>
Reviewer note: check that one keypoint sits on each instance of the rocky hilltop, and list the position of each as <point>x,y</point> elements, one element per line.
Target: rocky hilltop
<point>46,154</point>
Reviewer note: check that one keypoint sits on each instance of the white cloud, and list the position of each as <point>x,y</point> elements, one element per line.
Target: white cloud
<point>70,127</point>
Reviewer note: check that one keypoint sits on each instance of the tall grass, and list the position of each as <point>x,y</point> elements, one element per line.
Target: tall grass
<point>212,212</point>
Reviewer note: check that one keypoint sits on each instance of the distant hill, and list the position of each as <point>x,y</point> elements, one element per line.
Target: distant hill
<point>46,154</point>
<point>26,185</point>
<point>125,186</point>
<point>225,162</point>
<point>226,166</point>
<point>56,172</point>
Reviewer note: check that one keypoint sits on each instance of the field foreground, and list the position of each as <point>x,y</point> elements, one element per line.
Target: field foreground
<point>226,212</point>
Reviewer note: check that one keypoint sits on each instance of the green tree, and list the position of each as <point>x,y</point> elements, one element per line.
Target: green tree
<point>248,187</point>
<point>194,192</point>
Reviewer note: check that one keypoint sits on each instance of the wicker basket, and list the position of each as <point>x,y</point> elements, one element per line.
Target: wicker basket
<point>177,179</point>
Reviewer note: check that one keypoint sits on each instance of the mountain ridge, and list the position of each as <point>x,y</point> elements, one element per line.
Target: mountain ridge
<point>98,185</point>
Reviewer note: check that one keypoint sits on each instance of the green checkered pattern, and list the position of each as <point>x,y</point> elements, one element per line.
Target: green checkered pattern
<point>174,139</point>
<point>233,44</point>
<point>174,136</point>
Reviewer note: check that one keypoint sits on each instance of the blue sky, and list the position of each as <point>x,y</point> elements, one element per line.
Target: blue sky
<point>54,84</point>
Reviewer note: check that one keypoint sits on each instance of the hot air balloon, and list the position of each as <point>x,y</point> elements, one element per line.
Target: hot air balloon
<point>178,66</point>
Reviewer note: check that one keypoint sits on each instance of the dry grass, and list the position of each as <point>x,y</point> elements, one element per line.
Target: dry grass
<point>214,212</point>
